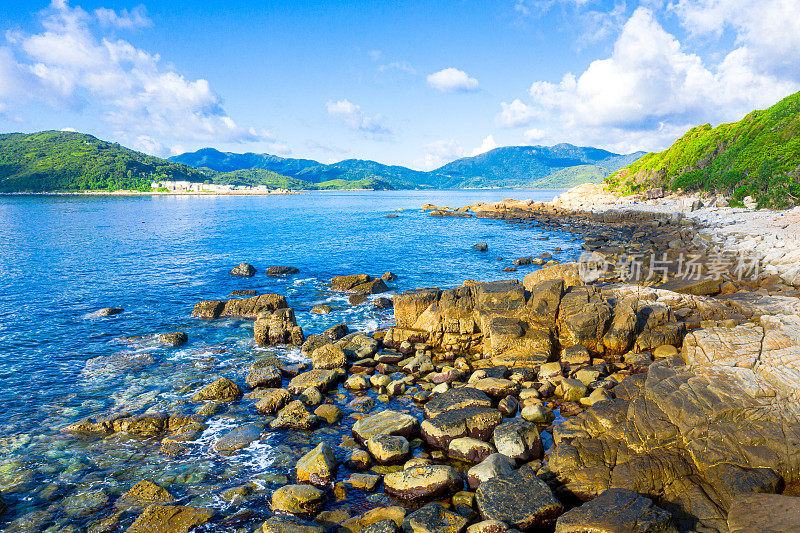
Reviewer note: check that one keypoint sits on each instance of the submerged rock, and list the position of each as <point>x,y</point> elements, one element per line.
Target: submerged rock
<point>143,494</point>
<point>170,519</point>
<point>238,438</point>
<point>222,390</point>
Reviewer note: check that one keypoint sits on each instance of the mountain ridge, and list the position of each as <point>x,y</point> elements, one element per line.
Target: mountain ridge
<point>508,166</point>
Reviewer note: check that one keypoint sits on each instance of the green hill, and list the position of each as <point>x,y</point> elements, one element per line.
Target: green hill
<point>758,156</point>
<point>70,161</point>
<point>273,180</point>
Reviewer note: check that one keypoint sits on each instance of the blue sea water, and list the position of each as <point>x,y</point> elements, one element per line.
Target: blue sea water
<point>64,257</point>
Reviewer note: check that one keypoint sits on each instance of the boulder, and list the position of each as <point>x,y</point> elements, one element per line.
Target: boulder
<point>520,499</point>
<point>434,518</point>
<point>319,378</point>
<point>277,271</point>
<point>277,327</point>
<point>173,339</point>
<point>456,399</point>
<point>208,309</point>
<point>253,306</point>
<point>328,357</point>
<point>244,270</point>
<point>169,519</point>
<point>475,422</point>
<point>481,247</point>
<point>386,422</point>
<point>347,283</point>
<point>301,500</point>
<point>222,390</point>
<point>263,374</point>
<point>358,346</point>
<point>388,449</point>
<point>295,416</point>
<point>620,335</point>
<point>569,273</point>
<point>617,511</point>
<point>317,467</point>
<point>238,438</point>
<point>469,449</point>
<point>420,482</point>
<point>272,400</point>
<point>384,526</point>
<point>495,465</point>
<point>321,309</point>
<point>518,439</point>
<point>330,413</point>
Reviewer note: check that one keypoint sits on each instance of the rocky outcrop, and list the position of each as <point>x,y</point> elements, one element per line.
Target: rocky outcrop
<point>301,500</point>
<point>221,390</point>
<point>689,437</point>
<point>358,283</point>
<point>239,307</point>
<point>617,511</point>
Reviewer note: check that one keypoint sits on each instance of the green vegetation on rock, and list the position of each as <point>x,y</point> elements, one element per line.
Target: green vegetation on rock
<point>70,161</point>
<point>758,156</point>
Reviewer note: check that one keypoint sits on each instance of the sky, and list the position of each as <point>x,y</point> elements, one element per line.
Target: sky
<point>415,83</point>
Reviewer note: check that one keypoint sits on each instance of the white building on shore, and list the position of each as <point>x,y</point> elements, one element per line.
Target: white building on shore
<point>189,187</point>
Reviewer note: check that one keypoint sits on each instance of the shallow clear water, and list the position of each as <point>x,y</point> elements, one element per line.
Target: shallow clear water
<point>63,257</point>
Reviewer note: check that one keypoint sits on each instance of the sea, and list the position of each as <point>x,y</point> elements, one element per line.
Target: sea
<point>64,257</point>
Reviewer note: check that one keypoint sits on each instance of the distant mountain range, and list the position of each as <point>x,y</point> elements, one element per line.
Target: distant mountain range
<point>559,166</point>
<point>71,161</point>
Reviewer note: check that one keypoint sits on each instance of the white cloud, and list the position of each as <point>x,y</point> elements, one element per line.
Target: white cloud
<point>375,54</point>
<point>124,20</point>
<point>515,114</point>
<point>402,66</point>
<point>148,145</point>
<point>356,119</point>
<point>69,129</point>
<point>487,144</point>
<point>534,134</point>
<point>439,153</point>
<point>650,90</point>
<point>452,80</point>
<point>70,64</point>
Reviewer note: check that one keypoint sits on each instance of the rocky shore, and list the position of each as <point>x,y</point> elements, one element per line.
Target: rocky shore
<point>608,395</point>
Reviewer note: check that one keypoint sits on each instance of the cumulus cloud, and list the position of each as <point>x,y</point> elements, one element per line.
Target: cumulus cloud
<point>439,153</point>
<point>452,80</point>
<point>124,20</point>
<point>534,134</point>
<point>355,119</point>
<point>71,64</point>
<point>448,150</point>
<point>650,90</point>
<point>487,144</point>
<point>515,114</point>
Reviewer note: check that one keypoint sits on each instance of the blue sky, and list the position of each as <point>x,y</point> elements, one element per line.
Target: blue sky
<point>412,83</point>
